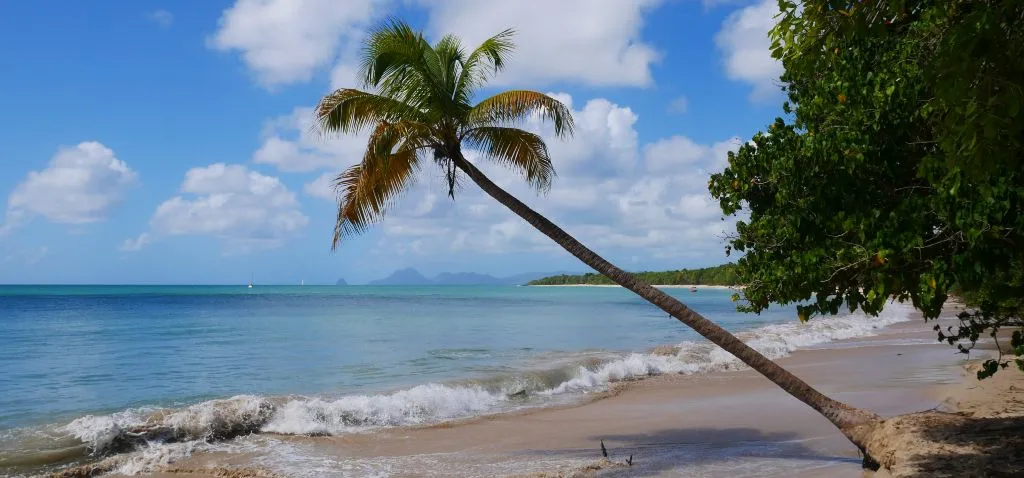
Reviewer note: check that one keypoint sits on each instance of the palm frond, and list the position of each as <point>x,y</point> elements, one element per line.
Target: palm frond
<point>390,46</point>
<point>488,58</point>
<point>368,189</point>
<point>517,149</point>
<point>419,103</point>
<point>348,111</point>
<point>399,63</point>
<point>513,106</point>
<point>450,58</point>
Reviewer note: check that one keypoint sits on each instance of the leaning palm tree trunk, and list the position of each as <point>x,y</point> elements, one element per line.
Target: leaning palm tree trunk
<point>420,110</point>
<point>854,423</point>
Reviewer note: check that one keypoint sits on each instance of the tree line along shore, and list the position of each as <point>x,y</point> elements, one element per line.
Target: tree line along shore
<point>723,275</point>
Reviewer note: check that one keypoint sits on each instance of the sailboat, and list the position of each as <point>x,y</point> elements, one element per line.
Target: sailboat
<point>253,279</point>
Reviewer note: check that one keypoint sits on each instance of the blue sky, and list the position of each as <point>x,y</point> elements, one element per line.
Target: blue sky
<point>167,142</point>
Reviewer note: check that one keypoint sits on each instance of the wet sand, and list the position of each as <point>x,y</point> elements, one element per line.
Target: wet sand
<point>719,424</point>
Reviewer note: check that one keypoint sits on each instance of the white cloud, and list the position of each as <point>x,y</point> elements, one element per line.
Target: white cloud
<point>679,105</point>
<point>286,41</point>
<point>593,42</point>
<point>245,209</point>
<point>321,187</point>
<point>133,244</point>
<point>345,75</point>
<point>162,18</point>
<point>605,140</point>
<point>716,3</point>
<point>744,41</point>
<point>677,152</point>
<point>611,193</point>
<point>291,145</point>
<point>80,185</point>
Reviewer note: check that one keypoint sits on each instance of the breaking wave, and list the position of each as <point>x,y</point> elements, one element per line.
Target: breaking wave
<point>156,436</point>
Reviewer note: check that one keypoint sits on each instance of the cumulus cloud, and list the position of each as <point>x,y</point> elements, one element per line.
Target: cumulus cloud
<point>592,42</point>
<point>80,185</point>
<point>162,18</point>
<point>133,244</point>
<point>743,40</point>
<point>291,145</point>
<point>604,142</point>
<point>679,152</point>
<point>245,209</point>
<point>611,193</point>
<point>286,41</point>
<point>321,187</point>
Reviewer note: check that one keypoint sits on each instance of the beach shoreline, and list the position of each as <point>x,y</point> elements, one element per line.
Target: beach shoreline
<point>700,425</point>
<point>660,286</point>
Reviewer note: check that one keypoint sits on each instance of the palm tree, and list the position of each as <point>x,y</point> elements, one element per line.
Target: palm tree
<point>420,112</point>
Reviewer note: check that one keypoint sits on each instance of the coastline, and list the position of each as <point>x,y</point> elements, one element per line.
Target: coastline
<point>671,424</point>
<point>660,286</point>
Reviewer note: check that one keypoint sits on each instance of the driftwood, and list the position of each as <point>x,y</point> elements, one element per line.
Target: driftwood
<point>604,453</point>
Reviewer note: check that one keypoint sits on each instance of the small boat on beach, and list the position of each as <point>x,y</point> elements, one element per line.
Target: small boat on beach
<point>693,289</point>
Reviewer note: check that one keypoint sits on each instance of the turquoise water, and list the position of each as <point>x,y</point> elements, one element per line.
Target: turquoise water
<point>96,369</point>
<point>71,350</point>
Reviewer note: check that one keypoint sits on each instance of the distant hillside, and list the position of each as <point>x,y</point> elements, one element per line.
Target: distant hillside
<point>411,276</point>
<point>408,276</point>
<point>724,274</point>
<point>341,282</point>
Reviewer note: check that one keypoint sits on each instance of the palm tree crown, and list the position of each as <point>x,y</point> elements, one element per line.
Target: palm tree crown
<point>421,109</point>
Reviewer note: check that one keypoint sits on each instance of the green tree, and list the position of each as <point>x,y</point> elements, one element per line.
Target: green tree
<point>897,174</point>
<point>724,274</point>
<point>420,110</point>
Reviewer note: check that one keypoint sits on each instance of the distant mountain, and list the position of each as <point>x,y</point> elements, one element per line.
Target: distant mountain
<point>341,282</point>
<point>411,276</point>
<point>408,276</point>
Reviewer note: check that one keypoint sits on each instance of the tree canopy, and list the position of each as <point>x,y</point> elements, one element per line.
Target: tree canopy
<point>419,108</point>
<point>897,170</point>
<point>724,274</point>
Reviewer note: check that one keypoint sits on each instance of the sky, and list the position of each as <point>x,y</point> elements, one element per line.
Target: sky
<point>157,142</point>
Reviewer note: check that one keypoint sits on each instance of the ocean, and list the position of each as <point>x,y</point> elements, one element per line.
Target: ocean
<point>88,372</point>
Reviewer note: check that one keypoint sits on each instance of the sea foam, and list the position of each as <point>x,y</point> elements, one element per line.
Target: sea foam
<point>425,403</point>
<point>146,430</point>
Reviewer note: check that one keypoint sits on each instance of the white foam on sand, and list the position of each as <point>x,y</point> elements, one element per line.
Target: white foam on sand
<point>422,404</point>
<point>774,341</point>
<point>162,436</point>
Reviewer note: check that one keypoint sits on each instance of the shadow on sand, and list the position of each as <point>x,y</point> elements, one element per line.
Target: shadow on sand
<point>705,451</point>
<point>953,445</point>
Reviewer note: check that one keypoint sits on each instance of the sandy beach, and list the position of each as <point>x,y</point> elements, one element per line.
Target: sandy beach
<point>719,424</point>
